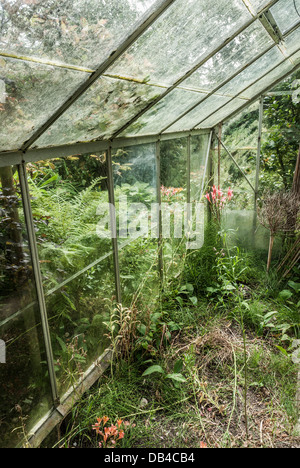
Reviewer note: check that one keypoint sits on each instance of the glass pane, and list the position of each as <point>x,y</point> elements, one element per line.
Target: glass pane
<point>199,113</point>
<point>259,5</point>
<point>186,33</point>
<point>100,111</point>
<point>253,72</point>
<point>174,198</point>
<point>285,14</point>
<point>165,112</point>
<point>24,384</point>
<point>135,181</point>
<point>272,77</point>
<point>240,51</point>
<point>220,115</point>
<point>292,41</point>
<point>70,209</point>
<point>79,32</point>
<point>199,151</point>
<point>29,94</point>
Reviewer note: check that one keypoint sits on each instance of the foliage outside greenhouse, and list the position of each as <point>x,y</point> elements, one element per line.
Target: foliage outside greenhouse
<point>150,219</point>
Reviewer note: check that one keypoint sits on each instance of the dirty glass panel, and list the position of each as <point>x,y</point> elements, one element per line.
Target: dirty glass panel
<point>100,111</point>
<point>24,383</point>
<point>285,14</point>
<point>70,210</point>
<point>240,51</point>
<point>273,76</point>
<point>199,113</point>
<point>29,94</point>
<point>221,114</point>
<point>186,33</point>
<point>259,5</point>
<point>135,179</point>
<point>292,41</point>
<point>174,197</point>
<point>80,32</point>
<point>198,166</point>
<point>165,112</point>
<point>253,73</point>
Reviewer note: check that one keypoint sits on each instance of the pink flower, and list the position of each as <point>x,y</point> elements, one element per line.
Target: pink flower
<point>230,194</point>
<point>207,196</point>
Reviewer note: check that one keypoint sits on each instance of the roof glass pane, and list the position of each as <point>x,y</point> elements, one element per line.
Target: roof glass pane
<point>231,107</point>
<point>99,112</point>
<point>81,32</point>
<point>252,92</point>
<point>199,113</point>
<point>29,94</point>
<point>258,5</point>
<point>292,41</point>
<point>165,112</point>
<point>240,51</point>
<point>187,32</point>
<point>254,72</point>
<point>271,77</point>
<point>285,14</point>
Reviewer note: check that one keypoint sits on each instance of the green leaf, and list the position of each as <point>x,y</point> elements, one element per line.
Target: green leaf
<point>178,366</point>
<point>285,294</point>
<point>284,351</point>
<point>194,300</point>
<point>176,377</point>
<point>152,370</point>
<point>295,286</point>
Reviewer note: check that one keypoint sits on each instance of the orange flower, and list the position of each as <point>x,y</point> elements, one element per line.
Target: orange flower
<point>203,445</point>
<point>119,422</point>
<point>121,434</point>
<point>105,419</point>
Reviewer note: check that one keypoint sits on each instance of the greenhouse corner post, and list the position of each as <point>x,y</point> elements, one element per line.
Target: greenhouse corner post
<point>113,220</point>
<point>38,280</point>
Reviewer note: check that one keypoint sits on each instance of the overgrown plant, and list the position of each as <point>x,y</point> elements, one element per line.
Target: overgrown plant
<point>279,214</point>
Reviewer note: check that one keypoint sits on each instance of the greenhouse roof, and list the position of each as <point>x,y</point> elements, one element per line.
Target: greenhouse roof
<point>97,71</point>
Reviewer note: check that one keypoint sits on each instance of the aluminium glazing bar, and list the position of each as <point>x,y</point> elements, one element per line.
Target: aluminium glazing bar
<point>190,72</point>
<point>148,19</point>
<point>245,89</point>
<point>38,280</point>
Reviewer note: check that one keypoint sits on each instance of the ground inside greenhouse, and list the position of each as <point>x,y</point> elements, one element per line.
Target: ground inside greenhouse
<point>208,409</point>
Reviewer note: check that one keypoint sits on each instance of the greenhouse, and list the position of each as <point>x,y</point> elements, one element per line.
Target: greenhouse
<point>149,182</point>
